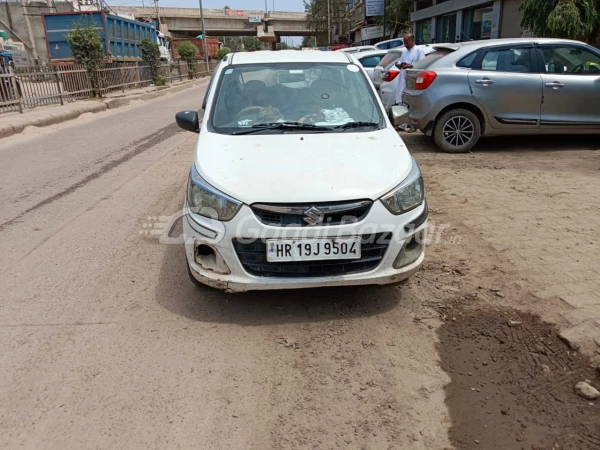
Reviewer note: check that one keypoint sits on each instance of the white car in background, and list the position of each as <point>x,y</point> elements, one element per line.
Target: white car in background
<point>386,74</point>
<point>282,192</point>
<point>390,43</point>
<point>369,60</point>
<point>358,49</point>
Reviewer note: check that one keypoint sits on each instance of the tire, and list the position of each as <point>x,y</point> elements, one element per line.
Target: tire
<point>450,142</point>
<point>192,278</point>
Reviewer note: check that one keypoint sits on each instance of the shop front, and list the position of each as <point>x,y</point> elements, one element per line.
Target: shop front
<point>478,22</point>
<point>457,20</point>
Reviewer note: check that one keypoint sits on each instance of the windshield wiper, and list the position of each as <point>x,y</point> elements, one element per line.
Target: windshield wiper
<point>350,125</point>
<point>281,126</point>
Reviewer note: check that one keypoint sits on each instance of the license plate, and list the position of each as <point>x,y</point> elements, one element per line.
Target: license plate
<point>281,250</point>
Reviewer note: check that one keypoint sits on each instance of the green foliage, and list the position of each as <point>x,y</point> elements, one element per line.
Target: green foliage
<point>151,54</point>
<point>160,80</point>
<point>318,14</point>
<point>307,41</point>
<point>222,52</point>
<point>86,47</point>
<point>237,44</point>
<point>567,19</point>
<point>397,18</point>
<point>187,51</point>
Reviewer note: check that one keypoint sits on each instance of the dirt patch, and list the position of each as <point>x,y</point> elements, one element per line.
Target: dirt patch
<point>513,382</point>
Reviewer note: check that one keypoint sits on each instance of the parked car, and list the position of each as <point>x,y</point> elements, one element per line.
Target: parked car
<point>388,84</point>
<point>504,86</point>
<point>358,49</point>
<point>390,43</point>
<point>369,60</point>
<point>282,193</point>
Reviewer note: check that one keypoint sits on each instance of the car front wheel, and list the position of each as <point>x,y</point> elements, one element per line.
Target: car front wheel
<point>457,131</point>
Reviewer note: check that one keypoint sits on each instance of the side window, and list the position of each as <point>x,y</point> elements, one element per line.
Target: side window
<point>385,46</point>
<point>370,61</point>
<point>508,60</point>
<point>570,61</point>
<point>398,43</point>
<point>468,61</point>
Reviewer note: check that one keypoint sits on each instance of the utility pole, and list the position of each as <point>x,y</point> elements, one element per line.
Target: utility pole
<point>384,8</point>
<point>329,22</point>
<point>157,15</point>
<point>203,34</point>
<point>36,57</point>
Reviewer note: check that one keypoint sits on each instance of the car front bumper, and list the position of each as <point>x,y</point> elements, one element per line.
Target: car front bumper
<point>226,271</point>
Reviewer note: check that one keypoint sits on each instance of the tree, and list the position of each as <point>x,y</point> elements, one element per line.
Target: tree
<point>187,51</point>
<point>568,19</point>
<point>397,17</point>
<point>319,16</point>
<point>151,54</point>
<point>86,47</point>
<point>237,44</point>
<point>222,52</point>
<point>308,41</point>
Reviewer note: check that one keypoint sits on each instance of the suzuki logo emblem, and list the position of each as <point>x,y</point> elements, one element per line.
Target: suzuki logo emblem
<point>314,216</point>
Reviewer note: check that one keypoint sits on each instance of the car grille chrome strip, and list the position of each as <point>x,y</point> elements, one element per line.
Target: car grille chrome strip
<point>316,214</point>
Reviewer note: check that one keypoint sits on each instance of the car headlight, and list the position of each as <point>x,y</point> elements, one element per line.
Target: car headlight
<point>408,195</point>
<point>205,200</point>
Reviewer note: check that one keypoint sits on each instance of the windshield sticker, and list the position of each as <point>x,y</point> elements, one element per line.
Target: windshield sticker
<point>228,71</point>
<point>245,123</point>
<point>296,71</point>
<point>352,68</point>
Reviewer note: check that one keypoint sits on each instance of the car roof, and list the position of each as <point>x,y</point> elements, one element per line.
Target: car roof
<point>286,56</point>
<point>390,40</point>
<point>503,41</point>
<point>369,53</point>
<point>358,48</point>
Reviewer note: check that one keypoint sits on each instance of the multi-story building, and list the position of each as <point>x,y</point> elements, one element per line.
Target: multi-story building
<point>463,20</point>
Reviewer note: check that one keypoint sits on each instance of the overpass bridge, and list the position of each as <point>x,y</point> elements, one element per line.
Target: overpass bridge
<point>183,22</point>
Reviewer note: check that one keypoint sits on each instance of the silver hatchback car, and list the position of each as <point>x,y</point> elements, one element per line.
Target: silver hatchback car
<point>504,86</point>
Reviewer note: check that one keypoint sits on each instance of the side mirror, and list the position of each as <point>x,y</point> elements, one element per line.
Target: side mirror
<point>188,121</point>
<point>399,115</point>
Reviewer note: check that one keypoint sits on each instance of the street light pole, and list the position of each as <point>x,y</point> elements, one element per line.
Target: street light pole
<point>328,22</point>
<point>204,35</point>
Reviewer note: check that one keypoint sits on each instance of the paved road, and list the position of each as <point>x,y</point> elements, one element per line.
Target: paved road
<point>106,344</point>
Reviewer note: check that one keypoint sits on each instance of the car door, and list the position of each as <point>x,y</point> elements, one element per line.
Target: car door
<point>505,82</point>
<point>571,81</point>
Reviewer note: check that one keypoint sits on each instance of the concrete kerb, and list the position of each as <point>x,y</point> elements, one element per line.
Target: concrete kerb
<point>21,122</point>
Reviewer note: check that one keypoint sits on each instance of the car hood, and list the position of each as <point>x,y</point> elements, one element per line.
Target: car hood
<point>298,168</point>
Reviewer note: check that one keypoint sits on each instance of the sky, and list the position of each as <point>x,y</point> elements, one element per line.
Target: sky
<point>280,5</point>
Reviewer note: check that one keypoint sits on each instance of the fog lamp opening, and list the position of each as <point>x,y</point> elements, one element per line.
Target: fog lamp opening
<point>210,259</point>
<point>411,250</point>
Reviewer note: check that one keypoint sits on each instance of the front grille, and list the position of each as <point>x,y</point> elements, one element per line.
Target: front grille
<point>293,215</point>
<point>253,257</point>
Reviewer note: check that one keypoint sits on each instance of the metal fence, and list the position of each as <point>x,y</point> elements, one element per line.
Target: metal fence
<point>28,87</point>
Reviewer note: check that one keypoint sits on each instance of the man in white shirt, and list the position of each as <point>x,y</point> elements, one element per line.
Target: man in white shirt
<point>410,56</point>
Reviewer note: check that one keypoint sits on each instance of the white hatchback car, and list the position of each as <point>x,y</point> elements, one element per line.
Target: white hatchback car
<point>299,179</point>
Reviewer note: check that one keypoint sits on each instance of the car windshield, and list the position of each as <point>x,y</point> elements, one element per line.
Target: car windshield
<point>283,97</point>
